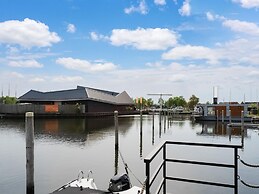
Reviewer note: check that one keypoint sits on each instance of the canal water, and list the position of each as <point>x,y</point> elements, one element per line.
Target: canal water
<point>63,147</point>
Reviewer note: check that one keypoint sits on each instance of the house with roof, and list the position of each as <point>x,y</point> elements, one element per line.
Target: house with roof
<point>88,100</point>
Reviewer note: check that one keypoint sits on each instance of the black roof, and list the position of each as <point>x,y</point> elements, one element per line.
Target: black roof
<point>64,95</point>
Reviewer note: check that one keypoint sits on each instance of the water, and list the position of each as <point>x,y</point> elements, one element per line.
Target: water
<point>63,147</point>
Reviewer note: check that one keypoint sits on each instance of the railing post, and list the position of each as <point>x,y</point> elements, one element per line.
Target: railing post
<point>236,170</point>
<point>147,176</point>
<point>164,168</point>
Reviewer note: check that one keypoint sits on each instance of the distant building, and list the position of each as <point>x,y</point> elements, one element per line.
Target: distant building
<point>93,100</point>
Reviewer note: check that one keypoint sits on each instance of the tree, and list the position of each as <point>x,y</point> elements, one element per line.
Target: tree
<point>193,101</point>
<point>176,101</point>
<point>143,103</point>
<point>149,102</point>
<point>8,100</point>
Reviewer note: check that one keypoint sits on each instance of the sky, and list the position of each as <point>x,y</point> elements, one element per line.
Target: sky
<point>178,47</point>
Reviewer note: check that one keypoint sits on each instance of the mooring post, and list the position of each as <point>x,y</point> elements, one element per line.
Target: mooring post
<point>230,116</point>
<point>222,119</point>
<point>217,116</point>
<point>153,119</point>
<point>160,117</point>
<point>141,118</point>
<point>140,135</point>
<point>242,118</point>
<point>29,128</point>
<point>165,112</point>
<point>153,127</point>
<point>116,142</point>
<point>160,125</point>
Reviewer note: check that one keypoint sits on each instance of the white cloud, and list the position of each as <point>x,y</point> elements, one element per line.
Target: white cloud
<point>242,26</point>
<point>25,64</point>
<point>191,52</point>
<point>71,28</point>
<point>37,79</point>
<point>95,36</point>
<point>248,3</point>
<point>173,78</point>
<point>141,8</point>
<point>253,73</point>
<point>185,10</point>
<point>155,64</point>
<point>236,52</point>
<point>213,17</point>
<point>15,75</point>
<point>160,2</point>
<point>64,79</point>
<point>236,25</point>
<point>144,39</point>
<point>12,50</point>
<point>210,16</point>
<point>27,33</point>
<point>240,51</point>
<point>85,66</point>
<point>178,78</point>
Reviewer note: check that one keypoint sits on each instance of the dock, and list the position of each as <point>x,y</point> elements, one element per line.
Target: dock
<point>247,125</point>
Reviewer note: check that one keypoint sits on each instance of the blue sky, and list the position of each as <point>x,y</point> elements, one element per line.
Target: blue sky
<point>182,47</point>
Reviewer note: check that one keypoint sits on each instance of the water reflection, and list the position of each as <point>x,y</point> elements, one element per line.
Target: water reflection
<point>219,129</point>
<point>137,139</point>
<point>79,130</point>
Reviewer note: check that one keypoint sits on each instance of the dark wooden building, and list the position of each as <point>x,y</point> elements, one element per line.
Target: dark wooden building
<point>92,100</point>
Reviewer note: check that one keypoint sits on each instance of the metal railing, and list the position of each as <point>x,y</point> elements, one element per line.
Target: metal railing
<point>162,147</point>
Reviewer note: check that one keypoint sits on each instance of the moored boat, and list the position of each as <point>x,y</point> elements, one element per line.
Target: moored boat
<point>226,112</point>
<point>117,185</point>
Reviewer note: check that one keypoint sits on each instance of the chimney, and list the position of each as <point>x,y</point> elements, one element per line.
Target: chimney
<point>215,95</point>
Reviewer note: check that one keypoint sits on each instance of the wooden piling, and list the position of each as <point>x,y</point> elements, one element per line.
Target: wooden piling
<point>141,118</point>
<point>222,119</point>
<point>141,134</point>
<point>242,119</point>
<point>165,112</point>
<point>153,127</point>
<point>29,128</point>
<point>230,116</point>
<point>160,125</point>
<point>116,127</point>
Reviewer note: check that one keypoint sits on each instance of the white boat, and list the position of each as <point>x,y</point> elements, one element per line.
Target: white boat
<point>81,185</point>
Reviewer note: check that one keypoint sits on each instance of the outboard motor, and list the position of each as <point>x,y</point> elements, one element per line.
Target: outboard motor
<point>119,183</point>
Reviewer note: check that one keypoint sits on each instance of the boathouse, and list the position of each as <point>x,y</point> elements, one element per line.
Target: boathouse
<point>83,100</point>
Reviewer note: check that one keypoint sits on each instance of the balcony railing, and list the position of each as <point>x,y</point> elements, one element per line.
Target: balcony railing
<point>162,147</point>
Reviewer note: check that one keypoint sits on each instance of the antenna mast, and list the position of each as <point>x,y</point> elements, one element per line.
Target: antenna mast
<point>161,95</point>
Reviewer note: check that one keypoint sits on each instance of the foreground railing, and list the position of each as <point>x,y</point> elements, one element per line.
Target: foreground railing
<point>162,166</point>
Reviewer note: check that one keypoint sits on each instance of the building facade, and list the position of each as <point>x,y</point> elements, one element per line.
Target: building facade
<point>86,99</point>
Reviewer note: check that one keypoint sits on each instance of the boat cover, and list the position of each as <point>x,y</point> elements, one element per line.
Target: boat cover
<point>78,190</point>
